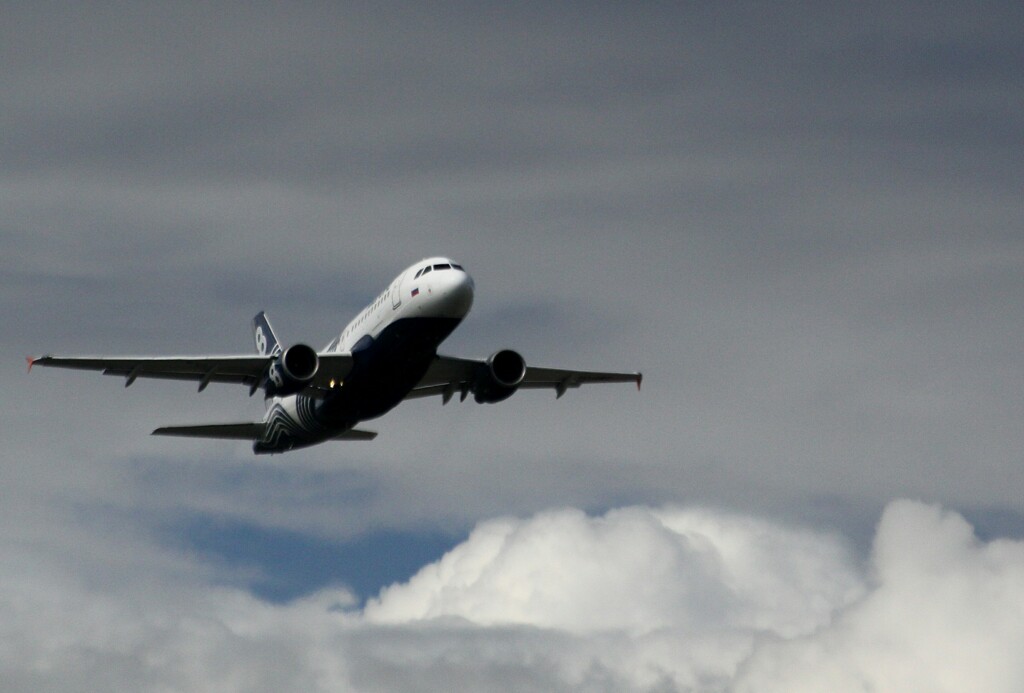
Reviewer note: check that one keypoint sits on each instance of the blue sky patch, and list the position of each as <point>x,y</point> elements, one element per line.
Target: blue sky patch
<point>281,565</point>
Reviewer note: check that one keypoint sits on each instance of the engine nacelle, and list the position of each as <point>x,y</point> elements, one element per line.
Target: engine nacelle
<point>291,371</point>
<point>499,377</point>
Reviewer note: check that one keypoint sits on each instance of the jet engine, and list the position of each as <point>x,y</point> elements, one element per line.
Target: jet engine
<point>499,377</point>
<point>291,371</point>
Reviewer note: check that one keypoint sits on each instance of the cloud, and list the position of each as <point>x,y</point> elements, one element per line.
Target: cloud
<point>946,613</point>
<point>670,594</point>
<point>766,214</point>
<point>633,570</point>
<point>638,599</point>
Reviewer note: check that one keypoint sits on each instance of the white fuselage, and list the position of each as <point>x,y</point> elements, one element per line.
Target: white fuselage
<point>442,292</point>
<point>392,342</point>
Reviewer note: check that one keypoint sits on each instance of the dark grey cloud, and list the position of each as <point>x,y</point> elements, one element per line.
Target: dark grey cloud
<point>817,201</point>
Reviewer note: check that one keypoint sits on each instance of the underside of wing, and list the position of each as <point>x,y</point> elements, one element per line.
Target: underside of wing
<point>448,375</point>
<point>205,369</point>
<point>560,380</point>
<point>247,370</point>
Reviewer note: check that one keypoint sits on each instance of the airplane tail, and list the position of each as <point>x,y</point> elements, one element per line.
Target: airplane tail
<point>263,334</point>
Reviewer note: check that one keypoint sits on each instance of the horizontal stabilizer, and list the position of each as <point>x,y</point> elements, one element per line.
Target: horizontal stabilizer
<point>232,431</point>
<point>244,431</point>
<point>355,434</point>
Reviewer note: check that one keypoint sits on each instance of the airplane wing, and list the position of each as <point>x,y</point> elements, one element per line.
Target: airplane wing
<point>248,370</point>
<point>447,375</point>
<point>244,431</point>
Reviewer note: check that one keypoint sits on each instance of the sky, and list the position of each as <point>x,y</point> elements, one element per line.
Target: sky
<point>802,222</point>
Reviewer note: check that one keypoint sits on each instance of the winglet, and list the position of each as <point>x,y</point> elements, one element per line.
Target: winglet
<point>33,360</point>
<point>639,381</point>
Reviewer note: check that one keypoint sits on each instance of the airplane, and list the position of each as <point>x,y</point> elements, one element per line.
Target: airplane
<point>385,355</point>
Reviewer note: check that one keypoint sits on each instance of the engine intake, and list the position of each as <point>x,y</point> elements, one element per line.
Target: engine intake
<point>291,371</point>
<point>499,377</point>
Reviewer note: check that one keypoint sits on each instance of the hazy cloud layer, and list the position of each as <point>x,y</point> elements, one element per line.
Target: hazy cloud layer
<point>801,223</point>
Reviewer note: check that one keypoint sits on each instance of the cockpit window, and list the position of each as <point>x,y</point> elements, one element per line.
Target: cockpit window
<point>438,267</point>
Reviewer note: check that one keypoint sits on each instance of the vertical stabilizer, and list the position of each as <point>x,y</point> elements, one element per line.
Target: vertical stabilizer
<point>263,334</point>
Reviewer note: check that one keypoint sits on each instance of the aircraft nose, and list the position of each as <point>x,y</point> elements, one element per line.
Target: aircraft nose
<point>453,293</point>
<point>458,293</point>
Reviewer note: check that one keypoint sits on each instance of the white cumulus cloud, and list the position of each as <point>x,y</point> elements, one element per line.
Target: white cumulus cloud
<point>945,613</point>
<point>635,570</point>
<point>636,599</point>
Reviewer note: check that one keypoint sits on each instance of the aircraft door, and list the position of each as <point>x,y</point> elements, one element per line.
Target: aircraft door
<point>396,293</point>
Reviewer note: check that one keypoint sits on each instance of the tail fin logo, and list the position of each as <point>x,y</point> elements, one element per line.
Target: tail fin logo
<point>264,337</point>
<point>261,341</point>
